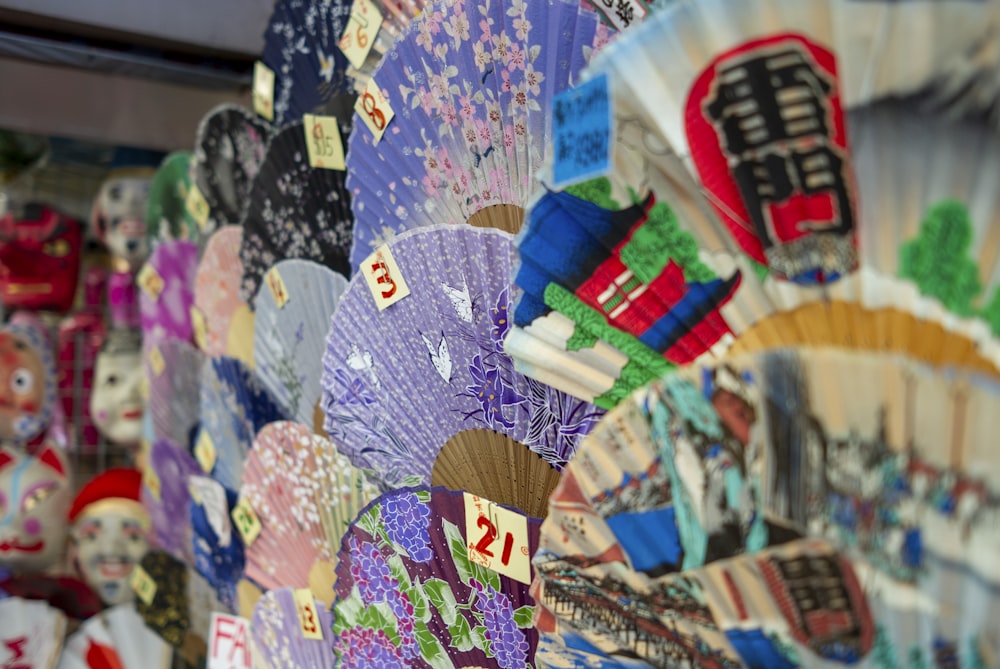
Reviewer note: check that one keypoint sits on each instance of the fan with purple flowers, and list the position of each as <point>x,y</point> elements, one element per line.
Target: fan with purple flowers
<point>412,590</point>
<point>423,388</point>
<point>166,497</point>
<point>278,638</point>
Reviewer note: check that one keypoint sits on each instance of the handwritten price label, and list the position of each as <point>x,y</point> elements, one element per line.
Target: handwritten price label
<point>156,361</point>
<point>228,642</point>
<point>200,327</point>
<point>277,287</point>
<point>384,278</point>
<point>143,584</point>
<point>204,451</point>
<point>497,538</point>
<point>263,90</point>
<point>150,282</point>
<point>621,13</point>
<point>305,605</point>
<point>359,35</point>
<point>246,521</point>
<point>374,109</point>
<point>581,131</point>
<point>197,206</point>
<point>326,149</point>
<point>152,481</point>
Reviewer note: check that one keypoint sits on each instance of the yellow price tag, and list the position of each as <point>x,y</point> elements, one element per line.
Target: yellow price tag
<point>305,605</point>
<point>152,481</point>
<point>200,327</point>
<point>326,149</point>
<point>277,287</point>
<point>144,388</point>
<point>204,452</point>
<point>374,109</point>
<point>197,206</point>
<point>263,90</point>
<point>156,361</point>
<point>150,282</point>
<point>246,521</point>
<point>359,35</point>
<point>384,278</point>
<point>497,538</point>
<point>143,584</point>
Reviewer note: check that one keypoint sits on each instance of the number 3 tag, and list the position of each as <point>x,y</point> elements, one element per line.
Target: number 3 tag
<point>305,605</point>
<point>497,538</point>
<point>374,109</point>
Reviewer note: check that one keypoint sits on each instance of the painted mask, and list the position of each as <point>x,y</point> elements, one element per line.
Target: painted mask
<point>119,217</point>
<point>39,259</point>
<point>35,494</point>
<point>27,384</point>
<point>116,403</point>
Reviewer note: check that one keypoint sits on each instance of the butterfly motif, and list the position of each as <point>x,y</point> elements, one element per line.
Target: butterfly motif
<point>363,362</point>
<point>460,300</point>
<point>440,356</point>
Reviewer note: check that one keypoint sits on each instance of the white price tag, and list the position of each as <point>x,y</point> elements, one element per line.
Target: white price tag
<point>359,35</point>
<point>384,278</point>
<point>497,538</point>
<point>326,149</point>
<point>374,109</point>
<point>263,90</point>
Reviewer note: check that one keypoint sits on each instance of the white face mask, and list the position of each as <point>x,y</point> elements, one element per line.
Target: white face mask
<point>121,208</point>
<point>116,403</point>
<point>109,543</point>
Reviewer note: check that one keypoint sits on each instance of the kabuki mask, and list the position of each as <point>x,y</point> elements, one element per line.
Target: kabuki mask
<point>116,403</point>
<point>27,384</point>
<point>118,216</point>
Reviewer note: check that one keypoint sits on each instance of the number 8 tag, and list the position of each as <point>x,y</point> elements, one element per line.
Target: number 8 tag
<point>497,538</point>
<point>374,110</point>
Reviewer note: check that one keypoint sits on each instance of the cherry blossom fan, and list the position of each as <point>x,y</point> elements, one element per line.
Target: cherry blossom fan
<point>423,391</point>
<point>116,638</point>
<point>411,590</point>
<point>791,508</point>
<point>218,548</point>
<point>173,389</point>
<point>217,289</point>
<point>293,310</point>
<point>33,633</point>
<point>166,295</point>
<point>470,88</point>
<point>167,214</point>
<point>279,632</point>
<point>165,496</point>
<point>296,211</point>
<point>305,494</point>
<point>229,149</point>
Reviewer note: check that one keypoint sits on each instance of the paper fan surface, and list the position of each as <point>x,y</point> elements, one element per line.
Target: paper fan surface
<point>305,494</point>
<point>296,211</point>
<point>218,548</point>
<point>293,310</point>
<point>234,407</point>
<point>229,149</point>
<point>410,594</point>
<point>799,506</point>
<point>166,294</point>
<point>470,89</point>
<point>33,633</point>
<point>167,215</point>
<point>173,389</point>
<point>279,629</point>
<point>432,364</point>
<point>217,287</point>
<point>166,497</point>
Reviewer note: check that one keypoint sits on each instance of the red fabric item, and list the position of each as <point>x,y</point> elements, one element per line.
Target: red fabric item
<point>117,483</point>
<point>39,259</point>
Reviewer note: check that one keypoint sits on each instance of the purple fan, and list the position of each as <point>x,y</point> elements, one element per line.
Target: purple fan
<point>168,504</point>
<point>278,628</point>
<point>470,86</point>
<point>403,385</point>
<point>166,284</point>
<point>173,390</point>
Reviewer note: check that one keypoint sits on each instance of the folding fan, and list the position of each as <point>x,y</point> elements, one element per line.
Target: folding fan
<point>412,588</point>
<point>217,545</point>
<point>234,407</point>
<point>279,632</point>
<point>173,389</point>
<point>117,638</point>
<point>786,509</point>
<point>166,285</point>
<point>167,215</point>
<point>229,149</point>
<point>296,211</point>
<point>217,288</point>
<point>293,310</point>
<point>167,499</point>
<point>470,92</point>
<point>423,388</point>
<point>32,635</point>
<point>304,494</point>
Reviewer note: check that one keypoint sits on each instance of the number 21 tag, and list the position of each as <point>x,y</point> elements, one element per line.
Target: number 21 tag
<point>374,109</point>
<point>497,538</point>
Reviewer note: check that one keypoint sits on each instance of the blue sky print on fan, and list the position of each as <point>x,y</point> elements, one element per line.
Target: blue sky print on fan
<point>470,86</point>
<point>433,365</point>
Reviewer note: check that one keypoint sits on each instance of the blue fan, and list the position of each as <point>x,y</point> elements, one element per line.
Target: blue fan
<point>218,548</point>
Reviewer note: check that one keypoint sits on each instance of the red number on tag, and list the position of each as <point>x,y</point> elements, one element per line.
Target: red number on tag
<point>491,535</point>
<point>368,102</point>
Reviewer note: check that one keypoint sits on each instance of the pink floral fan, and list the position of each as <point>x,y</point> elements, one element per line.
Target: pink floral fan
<point>470,88</point>
<point>217,290</point>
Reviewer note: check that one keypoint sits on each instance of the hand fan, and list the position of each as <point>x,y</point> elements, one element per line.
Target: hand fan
<point>279,632</point>
<point>166,284</point>
<point>400,384</point>
<point>304,494</point>
<point>293,310</point>
<point>412,588</point>
<point>33,633</point>
<point>218,548</point>
<point>235,406</point>
<point>173,389</point>
<point>773,511</point>
<point>229,149</point>
<point>167,214</point>
<point>166,497</point>
<point>296,211</point>
<point>470,92</point>
<point>217,288</point>
<point>117,638</point>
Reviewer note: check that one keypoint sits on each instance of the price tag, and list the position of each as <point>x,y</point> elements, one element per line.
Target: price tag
<point>228,642</point>
<point>621,13</point>
<point>263,90</point>
<point>384,278</point>
<point>497,538</point>
<point>197,206</point>
<point>204,452</point>
<point>308,618</point>
<point>150,282</point>
<point>326,150</point>
<point>246,521</point>
<point>374,109</point>
<point>152,482</point>
<point>200,327</point>
<point>359,35</point>
<point>581,132</point>
<point>277,287</point>
<point>143,584</point>
<point>156,361</point>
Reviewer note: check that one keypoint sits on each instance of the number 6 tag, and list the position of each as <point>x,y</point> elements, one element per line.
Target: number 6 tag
<point>374,110</point>
<point>497,538</point>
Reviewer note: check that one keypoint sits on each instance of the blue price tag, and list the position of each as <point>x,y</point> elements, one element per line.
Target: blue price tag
<point>581,131</point>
